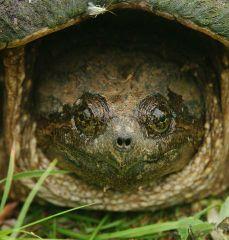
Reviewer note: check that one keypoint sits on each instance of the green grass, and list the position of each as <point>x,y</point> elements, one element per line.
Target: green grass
<point>35,221</point>
<point>9,178</point>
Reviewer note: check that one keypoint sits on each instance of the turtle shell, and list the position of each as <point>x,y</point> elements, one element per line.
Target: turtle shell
<point>23,22</point>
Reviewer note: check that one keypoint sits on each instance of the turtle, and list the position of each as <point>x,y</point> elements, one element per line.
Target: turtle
<point>130,97</point>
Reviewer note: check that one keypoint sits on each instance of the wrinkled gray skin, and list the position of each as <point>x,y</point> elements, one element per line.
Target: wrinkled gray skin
<point>117,118</point>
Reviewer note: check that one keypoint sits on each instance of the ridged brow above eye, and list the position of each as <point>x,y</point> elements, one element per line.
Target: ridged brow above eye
<point>94,105</point>
<point>148,104</point>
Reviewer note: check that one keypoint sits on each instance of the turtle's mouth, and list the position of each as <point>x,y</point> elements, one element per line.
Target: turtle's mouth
<point>106,171</point>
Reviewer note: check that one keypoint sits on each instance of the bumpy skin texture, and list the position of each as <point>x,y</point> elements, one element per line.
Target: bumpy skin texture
<point>54,82</point>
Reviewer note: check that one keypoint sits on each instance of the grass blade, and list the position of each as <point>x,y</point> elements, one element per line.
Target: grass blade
<point>140,231</point>
<point>129,233</point>
<point>55,215</point>
<point>114,224</point>
<point>224,210</point>
<point>98,227</point>
<point>72,234</point>
<point>9,178</point>
<point>204,211</point>
<point>30,198</point>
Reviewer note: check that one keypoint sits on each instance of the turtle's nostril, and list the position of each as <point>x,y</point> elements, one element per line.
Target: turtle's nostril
<point>128,141</point>
<point>123,143</point>
<point>120,142</point>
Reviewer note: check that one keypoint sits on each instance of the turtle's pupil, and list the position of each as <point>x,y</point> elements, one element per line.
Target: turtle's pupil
<point>159,115</point>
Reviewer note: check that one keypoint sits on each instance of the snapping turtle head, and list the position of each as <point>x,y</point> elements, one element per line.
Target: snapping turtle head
<point>123,130</point>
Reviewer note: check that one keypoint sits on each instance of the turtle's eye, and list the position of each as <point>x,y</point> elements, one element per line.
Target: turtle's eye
<point>154,114</point>
<point>90,114</point>
<point>86,122</point>
<point>158,121</point>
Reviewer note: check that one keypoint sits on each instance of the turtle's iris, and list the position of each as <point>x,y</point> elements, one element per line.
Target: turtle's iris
<point>154,114</point>
<point>85,115</point>
<point>158,121</point>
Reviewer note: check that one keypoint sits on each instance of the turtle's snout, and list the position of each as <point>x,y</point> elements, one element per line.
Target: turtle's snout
<point>124,134</point>
<point>123,143</point>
